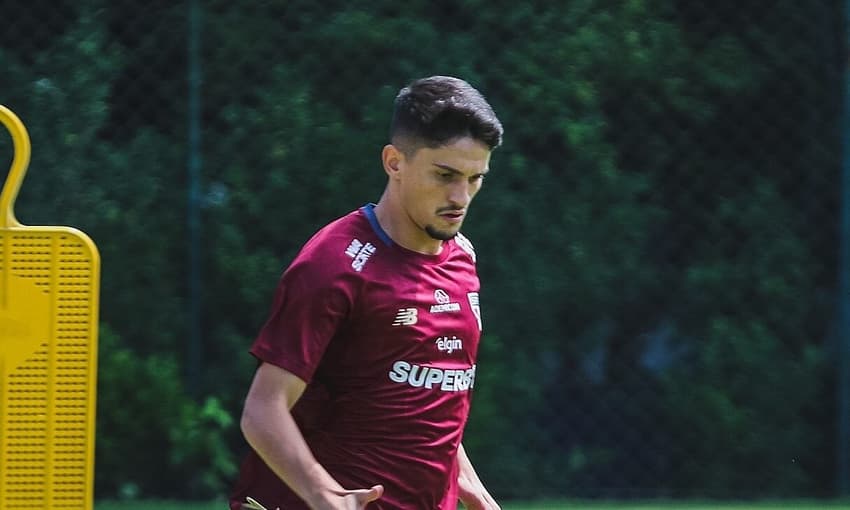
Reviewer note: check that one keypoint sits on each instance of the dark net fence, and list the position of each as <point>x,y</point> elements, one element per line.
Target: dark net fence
<point>658,239</point>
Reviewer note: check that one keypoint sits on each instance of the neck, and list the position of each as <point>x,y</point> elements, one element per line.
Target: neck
<point>401,228</point>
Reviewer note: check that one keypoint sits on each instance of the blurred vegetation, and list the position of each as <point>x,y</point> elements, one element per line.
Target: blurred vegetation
<point>657,238</point>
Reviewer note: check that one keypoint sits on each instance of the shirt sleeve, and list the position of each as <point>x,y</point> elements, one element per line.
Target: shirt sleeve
<point>312,300</point>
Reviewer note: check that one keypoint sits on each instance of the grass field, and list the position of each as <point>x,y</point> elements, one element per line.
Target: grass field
<point>553,505</point>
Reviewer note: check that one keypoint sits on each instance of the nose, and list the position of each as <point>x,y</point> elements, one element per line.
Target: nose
<point>459,194</point>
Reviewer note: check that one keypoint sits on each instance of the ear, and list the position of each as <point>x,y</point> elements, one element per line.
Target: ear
<point>393,160</point>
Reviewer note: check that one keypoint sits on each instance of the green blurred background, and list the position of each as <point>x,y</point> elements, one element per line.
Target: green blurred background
<point>659,239</point>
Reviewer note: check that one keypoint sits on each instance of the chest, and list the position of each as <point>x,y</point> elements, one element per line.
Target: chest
<point>428,314</point>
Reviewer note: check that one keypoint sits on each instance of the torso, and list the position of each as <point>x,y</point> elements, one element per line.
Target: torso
<point>389,399</point>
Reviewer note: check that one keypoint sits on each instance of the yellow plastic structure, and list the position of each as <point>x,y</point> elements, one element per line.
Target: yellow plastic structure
<point>49,289</point>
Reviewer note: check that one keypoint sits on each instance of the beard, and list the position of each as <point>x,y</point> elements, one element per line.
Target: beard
<point>440,235</point>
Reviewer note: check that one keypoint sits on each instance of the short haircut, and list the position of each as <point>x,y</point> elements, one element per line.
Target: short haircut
<point>432,112</point>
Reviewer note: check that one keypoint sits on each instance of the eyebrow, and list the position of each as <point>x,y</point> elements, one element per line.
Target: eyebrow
<point>456,171</point>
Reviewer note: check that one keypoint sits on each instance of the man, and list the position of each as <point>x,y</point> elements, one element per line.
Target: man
<point>367,361</point>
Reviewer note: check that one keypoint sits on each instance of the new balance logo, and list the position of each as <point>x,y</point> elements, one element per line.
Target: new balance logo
<point>406,317</point>
<point>360,253</point>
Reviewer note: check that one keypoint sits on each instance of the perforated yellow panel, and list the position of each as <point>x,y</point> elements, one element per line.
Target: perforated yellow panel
<point>49,285</point>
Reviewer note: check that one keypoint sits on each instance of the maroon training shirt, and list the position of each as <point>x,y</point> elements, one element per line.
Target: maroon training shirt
<point>386,339</point>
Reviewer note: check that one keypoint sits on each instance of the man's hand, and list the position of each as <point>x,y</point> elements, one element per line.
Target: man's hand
<point>471,491</point>
<point>474,496</point>
<point>355,499</point>
<point>343,499</point>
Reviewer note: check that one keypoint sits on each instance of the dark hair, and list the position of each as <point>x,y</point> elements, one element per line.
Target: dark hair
<point>434,111</point>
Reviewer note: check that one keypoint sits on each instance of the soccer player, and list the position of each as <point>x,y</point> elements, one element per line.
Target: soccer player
<point>368,358</point>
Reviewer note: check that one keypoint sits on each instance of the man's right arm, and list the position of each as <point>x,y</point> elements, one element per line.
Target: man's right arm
<point>271,431</point>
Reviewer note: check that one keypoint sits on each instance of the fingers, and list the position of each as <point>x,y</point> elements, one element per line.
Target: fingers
<point>374,493</point>
<point>363,496</point>
<point>489,502</point>
<point>480,501</point>
<point>252,504</point>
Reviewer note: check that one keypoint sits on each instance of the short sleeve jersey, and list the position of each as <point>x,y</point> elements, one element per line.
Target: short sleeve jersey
<point>386,340</point>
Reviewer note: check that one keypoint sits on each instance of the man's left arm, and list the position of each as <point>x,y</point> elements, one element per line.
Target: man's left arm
<point>471,491</point>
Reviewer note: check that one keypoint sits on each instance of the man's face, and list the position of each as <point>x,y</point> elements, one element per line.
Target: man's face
<point>437,185</point>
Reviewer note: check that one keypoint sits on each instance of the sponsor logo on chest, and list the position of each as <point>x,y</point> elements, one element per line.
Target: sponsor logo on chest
<point>432,378</point>
<point>443,303</point>
<point>449,344</point>
<point>409,316</point>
